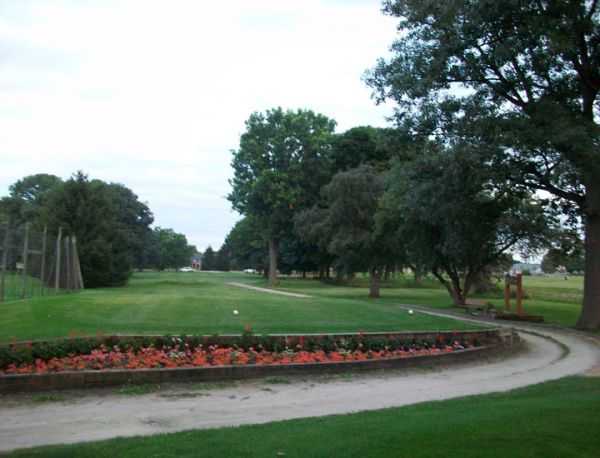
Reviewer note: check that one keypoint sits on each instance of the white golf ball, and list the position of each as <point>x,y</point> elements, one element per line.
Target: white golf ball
<point>410,312</point>
<point>235,312</point>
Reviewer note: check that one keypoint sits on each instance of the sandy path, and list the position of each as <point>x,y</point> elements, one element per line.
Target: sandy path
<point>101,417</point>
<point>267,290</point>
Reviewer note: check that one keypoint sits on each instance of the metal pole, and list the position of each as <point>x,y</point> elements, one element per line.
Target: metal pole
<point>68,261</point>
<point>57,273</point>
<point>77,263</point>
<point>25,256</point>
<point>4,260</point>
<point>43,267</point>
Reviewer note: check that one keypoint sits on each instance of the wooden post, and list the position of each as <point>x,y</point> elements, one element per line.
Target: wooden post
<point>57,273</point>
<point>68,262</point>
<point>78,274</point>
<point>519,294</point>
<point>4,261</point>
<point>43,266</point>
<point>507,292</point>
<point>25,256</point>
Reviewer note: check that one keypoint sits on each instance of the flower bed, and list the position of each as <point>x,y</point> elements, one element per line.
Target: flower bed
<point>99,354</point>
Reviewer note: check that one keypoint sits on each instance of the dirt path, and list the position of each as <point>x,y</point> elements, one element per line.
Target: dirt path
<point>267,290</point>
<point>551,354</point>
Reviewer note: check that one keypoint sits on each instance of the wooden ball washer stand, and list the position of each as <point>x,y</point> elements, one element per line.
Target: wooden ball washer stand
<point>520,314</point>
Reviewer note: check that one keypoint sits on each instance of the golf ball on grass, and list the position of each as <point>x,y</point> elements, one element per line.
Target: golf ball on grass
<point>235,312</point>
<point>410,312</point>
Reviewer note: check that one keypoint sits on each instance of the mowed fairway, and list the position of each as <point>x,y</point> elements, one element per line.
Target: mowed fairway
<point>557,299</point>
<point>203,303</point>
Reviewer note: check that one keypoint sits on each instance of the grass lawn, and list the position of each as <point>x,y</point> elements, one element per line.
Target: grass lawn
<point>556,299</point>
<point>202,303</point>
<point>554,419</point>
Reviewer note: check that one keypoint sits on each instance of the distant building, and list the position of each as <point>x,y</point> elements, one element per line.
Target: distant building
<point>196,262</point>
<point>520,267</point>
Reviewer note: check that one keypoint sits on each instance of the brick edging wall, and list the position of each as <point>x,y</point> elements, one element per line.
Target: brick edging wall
<point>115,377</point>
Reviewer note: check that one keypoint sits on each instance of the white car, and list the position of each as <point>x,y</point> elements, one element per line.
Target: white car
<point>250,271</point>
<point>186,269</point>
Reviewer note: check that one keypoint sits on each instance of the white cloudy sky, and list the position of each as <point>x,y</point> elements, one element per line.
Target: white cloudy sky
<point>154,94</point>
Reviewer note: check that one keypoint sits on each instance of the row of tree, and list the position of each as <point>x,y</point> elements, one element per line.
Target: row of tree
<point>495,149</point>
<point>216,260</point>
<point>113,228</point>
<point>373,200</point>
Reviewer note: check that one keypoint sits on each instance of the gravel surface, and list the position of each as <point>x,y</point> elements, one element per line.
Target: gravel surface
<point>551,354</point>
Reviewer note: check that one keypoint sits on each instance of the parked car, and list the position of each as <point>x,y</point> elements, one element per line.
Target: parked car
<point>250,271</point>
<point>186,269</point>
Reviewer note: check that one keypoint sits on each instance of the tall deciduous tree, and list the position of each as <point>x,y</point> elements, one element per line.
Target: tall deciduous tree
<point>567,251</point>
<point>174,251</point>
<point>209,259</point>
<point>246,245</point>
<point>347,223</point>
<point>362,145</point>
<point>278,169</point>
<point>527,75</point>
<point>27,198</point>
<point>455,219</point>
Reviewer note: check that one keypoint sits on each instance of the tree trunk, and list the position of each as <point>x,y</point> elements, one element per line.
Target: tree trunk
<point>417,273</point>
<point>590,312</point>
<point>304,274</point>
<point>273,253</point>
<point>418,277</point>
<point>453,287</point>
<point>374,279</point>
<point>458,294</point>
<point>458,298</point>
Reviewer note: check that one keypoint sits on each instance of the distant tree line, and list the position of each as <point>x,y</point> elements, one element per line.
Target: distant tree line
<point>216,260</point>
<point>113,228</point>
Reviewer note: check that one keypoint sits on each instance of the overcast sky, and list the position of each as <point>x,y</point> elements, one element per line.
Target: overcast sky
<point>154,94</point>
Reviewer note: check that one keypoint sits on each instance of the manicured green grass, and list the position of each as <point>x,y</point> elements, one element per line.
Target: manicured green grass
<point>191,303</point>
<point>555,419</point>
<point>202,303</point>
<point>556,299</point>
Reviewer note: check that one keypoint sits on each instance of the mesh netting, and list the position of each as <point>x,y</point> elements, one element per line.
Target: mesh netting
<point>36,263</point>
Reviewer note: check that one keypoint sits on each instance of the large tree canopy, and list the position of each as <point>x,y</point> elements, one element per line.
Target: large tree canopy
<point>279,169</point>
<point>525,74</point>
<point>456,221</point>
<point>346,223</point>
<point>27,198</point>
<point>106,218</point>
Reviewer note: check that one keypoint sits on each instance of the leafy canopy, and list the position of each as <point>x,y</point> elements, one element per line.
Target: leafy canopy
<point>280,165</point>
